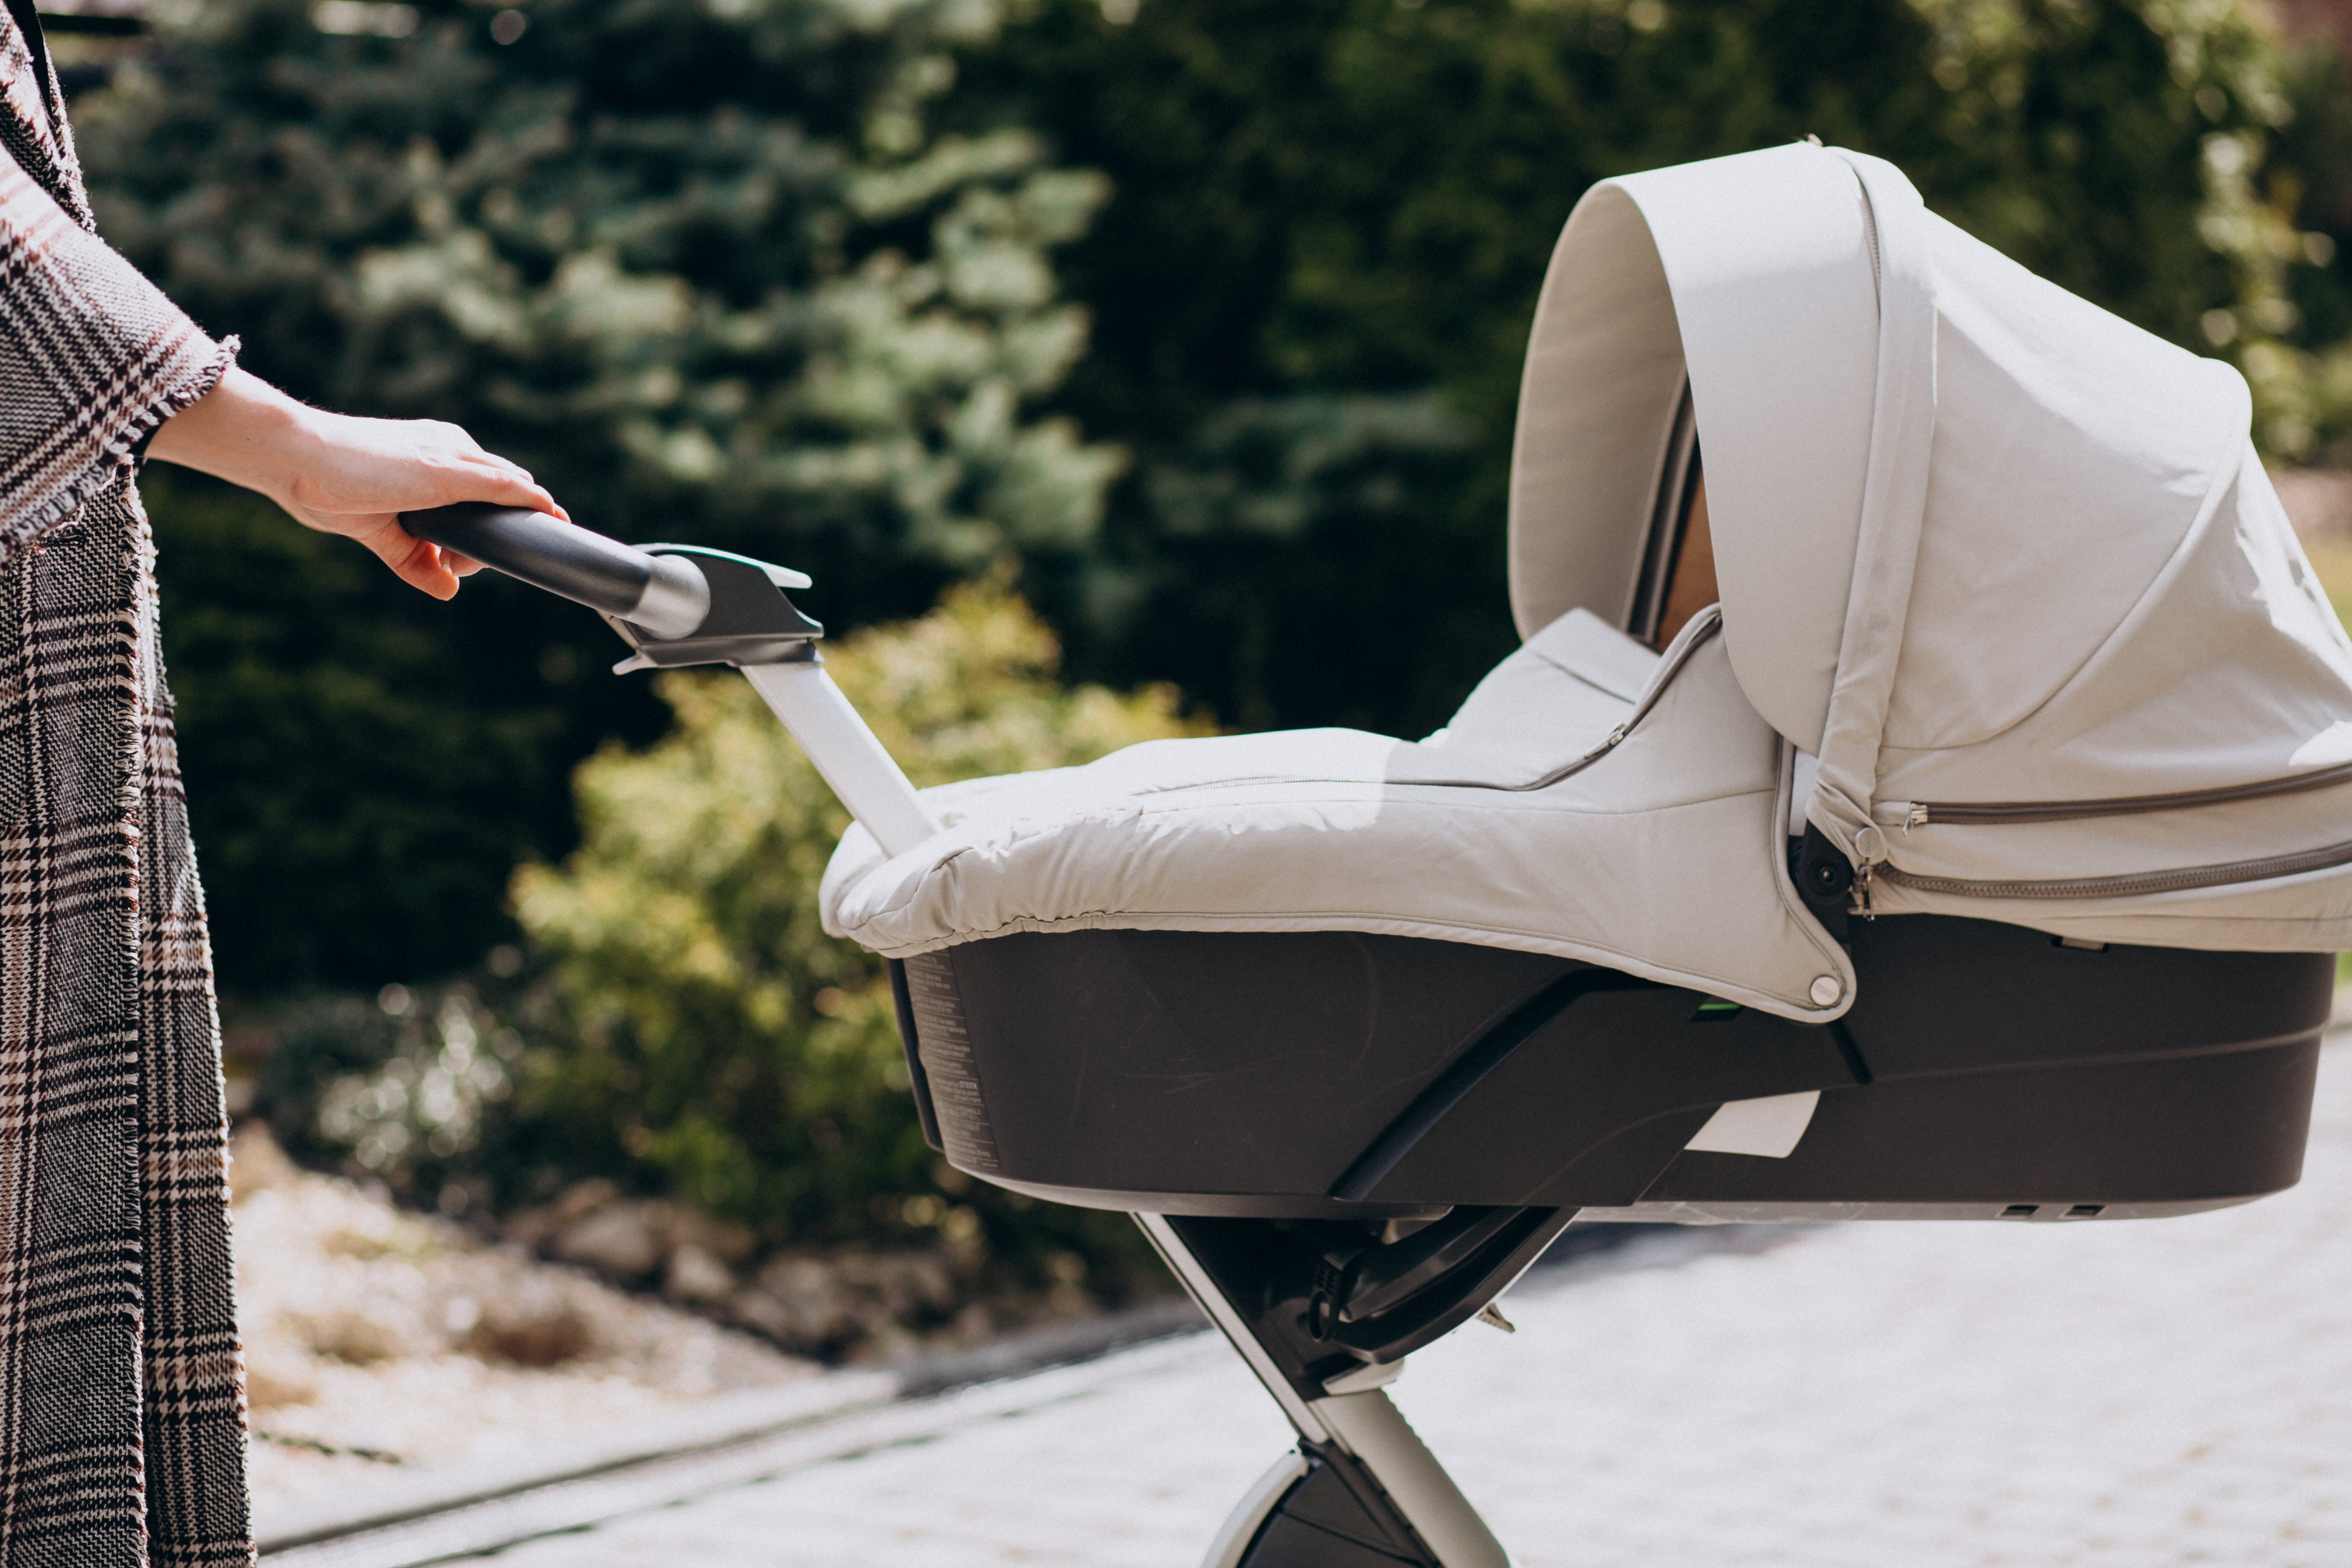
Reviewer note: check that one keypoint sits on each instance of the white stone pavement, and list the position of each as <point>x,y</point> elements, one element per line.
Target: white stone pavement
<point>2094,1396</point>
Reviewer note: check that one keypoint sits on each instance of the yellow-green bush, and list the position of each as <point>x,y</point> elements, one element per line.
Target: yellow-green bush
<point>697,1032</point>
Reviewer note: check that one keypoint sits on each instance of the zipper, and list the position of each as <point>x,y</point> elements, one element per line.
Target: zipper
<point>1922,813</point>
<point>1701,629</point>
<point>2128,886</point>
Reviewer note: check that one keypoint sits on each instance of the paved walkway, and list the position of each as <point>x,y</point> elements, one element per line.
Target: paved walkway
<point>2123,1395</point>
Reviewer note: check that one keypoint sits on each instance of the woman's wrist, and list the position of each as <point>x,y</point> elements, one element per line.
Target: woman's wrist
<point>244,431</point>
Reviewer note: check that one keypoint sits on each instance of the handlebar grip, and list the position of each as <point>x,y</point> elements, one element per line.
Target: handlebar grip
<point>666,595</point>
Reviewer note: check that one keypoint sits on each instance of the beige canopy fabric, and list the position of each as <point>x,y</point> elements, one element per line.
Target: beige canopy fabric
<point>2010,612</point>
<point>2008,564</point>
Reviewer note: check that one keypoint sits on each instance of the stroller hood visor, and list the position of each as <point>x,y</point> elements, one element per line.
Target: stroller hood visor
<point>1976,538</point>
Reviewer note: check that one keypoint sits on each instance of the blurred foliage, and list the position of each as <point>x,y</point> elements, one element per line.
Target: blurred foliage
<point>689,1029</point>
<point>1330,215</point>
<point>409,1087</point>
<point>715,1036</point>
<point>707,265</point>
<point>2309,183</point>
<point>774,274</point>
<point>366,764</point>
<point>710,271</point>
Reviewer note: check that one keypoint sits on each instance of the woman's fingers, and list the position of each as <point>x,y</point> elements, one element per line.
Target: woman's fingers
<point>415,562</point>
<point>367,467</point>
<point>484,484</point>
<point>380,469</point>
<point>493,460</point>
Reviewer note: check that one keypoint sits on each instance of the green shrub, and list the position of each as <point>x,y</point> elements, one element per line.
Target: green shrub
<point>688,1028</point>
<point>409,1087</point>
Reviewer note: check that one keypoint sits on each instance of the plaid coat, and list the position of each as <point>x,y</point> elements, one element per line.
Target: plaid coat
<point>121,1384</point>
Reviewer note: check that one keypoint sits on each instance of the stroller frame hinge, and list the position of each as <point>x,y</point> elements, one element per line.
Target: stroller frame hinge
<point>1354,1445</point>
<point>1194,1276</point>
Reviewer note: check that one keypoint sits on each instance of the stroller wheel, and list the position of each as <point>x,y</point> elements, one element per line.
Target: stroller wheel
<point>1317,1508</point>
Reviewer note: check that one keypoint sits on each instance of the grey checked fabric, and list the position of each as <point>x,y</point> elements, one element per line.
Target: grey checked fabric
<point>121,1389</point>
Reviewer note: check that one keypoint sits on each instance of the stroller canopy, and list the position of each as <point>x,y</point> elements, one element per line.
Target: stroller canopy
<point>2010,613</point>
<point>2006,564</point>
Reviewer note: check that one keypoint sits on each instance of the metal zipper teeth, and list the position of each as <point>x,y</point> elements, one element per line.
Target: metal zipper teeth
<point>1922,813</point>
<point>2126,887</point>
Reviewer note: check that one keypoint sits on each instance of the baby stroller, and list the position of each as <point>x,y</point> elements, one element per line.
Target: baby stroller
<point>1920,795</point>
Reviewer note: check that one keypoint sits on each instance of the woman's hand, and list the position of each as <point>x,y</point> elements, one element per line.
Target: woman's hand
<point>345,475</point>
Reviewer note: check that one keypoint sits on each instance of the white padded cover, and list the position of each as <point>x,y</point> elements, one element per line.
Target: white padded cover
<point>1661,857</point>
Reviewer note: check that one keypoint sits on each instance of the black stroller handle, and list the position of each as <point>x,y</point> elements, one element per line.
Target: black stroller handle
<point>666,595</point>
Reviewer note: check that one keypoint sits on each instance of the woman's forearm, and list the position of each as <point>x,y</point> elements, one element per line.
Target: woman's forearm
<point>346,475</point>
<point>244,431</point>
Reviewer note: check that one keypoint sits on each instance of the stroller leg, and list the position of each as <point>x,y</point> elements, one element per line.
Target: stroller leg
<point>1360,1491</point>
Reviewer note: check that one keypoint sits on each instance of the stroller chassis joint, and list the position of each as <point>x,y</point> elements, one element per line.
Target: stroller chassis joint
<point>1361,1489</point>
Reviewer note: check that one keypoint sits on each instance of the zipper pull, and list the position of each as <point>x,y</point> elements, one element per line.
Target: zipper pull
<point>1916,817</point>
<point>1869,849</point>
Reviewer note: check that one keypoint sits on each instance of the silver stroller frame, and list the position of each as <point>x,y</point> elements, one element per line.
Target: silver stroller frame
<point>1359,1474</point>
<point>1987,1072</point>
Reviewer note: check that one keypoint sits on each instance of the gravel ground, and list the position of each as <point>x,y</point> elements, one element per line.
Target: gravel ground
<point>2150,1395</point>
<point>378,1343</point>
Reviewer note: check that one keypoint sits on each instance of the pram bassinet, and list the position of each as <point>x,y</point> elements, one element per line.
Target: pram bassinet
<point>1980,856</point>
<point>2007,566</point>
